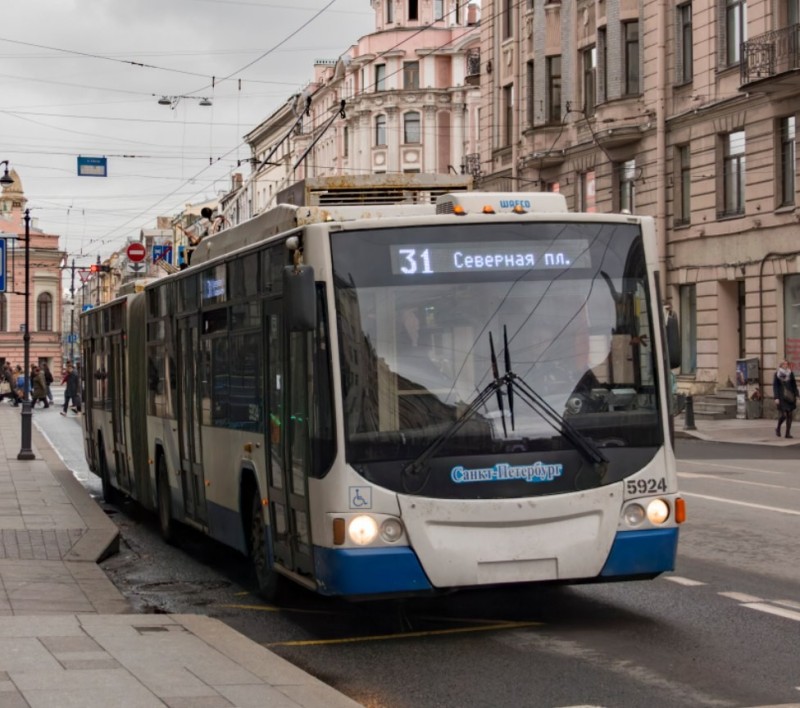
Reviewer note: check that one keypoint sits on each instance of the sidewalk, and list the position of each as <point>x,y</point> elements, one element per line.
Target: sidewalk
<point>66,635</point>
<point>760,431</point>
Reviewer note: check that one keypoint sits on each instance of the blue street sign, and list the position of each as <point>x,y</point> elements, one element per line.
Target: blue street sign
<point>181,255</point>
<point>86,308</point>
<point>162,253</point>
<point>72,338</point>
<point>92,166</point>
<point>2,265</point>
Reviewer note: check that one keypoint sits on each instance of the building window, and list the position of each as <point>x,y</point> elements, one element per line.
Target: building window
<point>44,313</point>
<point>602,64</point>
<point>438,9</point>
<point>3,313</point>
<point>411,75</point>
<point>389,11</point>
<point>411,128</point>
<point>554,89</point>
<point>380,130</point>
<point>529,101</point>
<point>791,319</point>
<point>682,186</point>
<point>626,185</point>
<point>413,9</point>
<point>688,314</point>
<point>787,161</point>
<point>380,77</point>
<point>345,141</point>
<point>631,30</point>
<point>684,61</point>
<point>589,60</point>
<point>735,30</point>
<point>733,163</point>
<point>508,115</point>
<point>508,18</point>
<point>587,192</point>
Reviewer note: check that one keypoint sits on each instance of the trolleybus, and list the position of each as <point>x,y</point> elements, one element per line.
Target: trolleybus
<point>391,400</point>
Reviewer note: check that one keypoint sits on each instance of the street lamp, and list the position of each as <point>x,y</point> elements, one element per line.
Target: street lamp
<point>25,450</point>
<point>6,179</point>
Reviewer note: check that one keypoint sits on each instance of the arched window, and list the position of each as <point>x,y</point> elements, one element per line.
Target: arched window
<point>411,133</point>
<point>380,130</point>
<point>44,313</point>
<point>3,313</point>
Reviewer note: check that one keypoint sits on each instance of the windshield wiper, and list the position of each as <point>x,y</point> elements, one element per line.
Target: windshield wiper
<point>539,405</point>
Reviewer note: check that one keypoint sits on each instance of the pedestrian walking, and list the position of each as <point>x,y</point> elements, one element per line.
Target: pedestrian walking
<point>48,378</point>
<point>72,390</point>
<point>39,387</point>
<point>784,391</point>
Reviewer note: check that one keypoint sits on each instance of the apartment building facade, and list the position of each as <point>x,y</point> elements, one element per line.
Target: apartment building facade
<point>685,111</point>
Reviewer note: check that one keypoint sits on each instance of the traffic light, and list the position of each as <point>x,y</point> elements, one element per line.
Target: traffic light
<point>98,268</point>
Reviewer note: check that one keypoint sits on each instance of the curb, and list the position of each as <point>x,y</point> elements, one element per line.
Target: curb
<point>101,539</point>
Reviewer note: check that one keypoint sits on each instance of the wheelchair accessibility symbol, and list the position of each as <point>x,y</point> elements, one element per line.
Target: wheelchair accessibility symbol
<point>360,497</point>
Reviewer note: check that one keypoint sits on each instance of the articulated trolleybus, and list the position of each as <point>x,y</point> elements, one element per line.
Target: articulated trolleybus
<point>390,400</point>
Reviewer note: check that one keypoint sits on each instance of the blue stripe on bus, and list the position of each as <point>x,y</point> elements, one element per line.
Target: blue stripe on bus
<point>642,552</point>
<point>368,571</point>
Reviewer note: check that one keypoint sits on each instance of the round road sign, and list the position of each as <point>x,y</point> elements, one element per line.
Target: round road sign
<point>136,252</point>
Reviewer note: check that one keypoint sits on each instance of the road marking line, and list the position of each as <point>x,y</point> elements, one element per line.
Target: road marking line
<point>787,603</point>
<point>740,597</point>
<point>682,581</point>
<point>698,475</point>
<point>403,635</point>
<point>706,463</point>
<point>770,609</point>
<point>791,512</point>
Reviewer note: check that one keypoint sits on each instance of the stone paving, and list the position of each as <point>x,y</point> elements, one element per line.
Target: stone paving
<point>67,637</point>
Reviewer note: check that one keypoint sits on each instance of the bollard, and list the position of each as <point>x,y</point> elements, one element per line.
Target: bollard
<point>688,421</point>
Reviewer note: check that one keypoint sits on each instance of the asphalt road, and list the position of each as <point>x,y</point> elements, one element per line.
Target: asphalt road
<point>722,630</point>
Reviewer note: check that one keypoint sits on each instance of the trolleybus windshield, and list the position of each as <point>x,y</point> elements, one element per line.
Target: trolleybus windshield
<point>416,306</point>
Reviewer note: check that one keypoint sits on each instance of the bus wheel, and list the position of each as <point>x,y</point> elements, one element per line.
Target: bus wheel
<point>268,581</point>
<point>109,493</point>
<point>165,523</point>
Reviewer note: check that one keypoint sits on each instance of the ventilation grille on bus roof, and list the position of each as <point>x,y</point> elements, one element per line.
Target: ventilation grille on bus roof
<point>386,195</point>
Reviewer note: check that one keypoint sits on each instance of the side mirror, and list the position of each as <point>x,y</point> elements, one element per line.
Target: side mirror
<point>299,298</point>
<point>673,339</point>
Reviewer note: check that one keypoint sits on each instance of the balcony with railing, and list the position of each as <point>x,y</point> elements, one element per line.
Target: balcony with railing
<point>771,61</point>
<point>473,77</point>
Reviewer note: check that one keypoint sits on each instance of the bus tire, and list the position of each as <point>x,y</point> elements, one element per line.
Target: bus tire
<point>109,493</point>
<point>166,525</point>
<point>269,582</point>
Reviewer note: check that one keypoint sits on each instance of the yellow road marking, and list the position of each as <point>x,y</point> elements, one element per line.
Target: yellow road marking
<point>272,608</point>
<point>404,635</point>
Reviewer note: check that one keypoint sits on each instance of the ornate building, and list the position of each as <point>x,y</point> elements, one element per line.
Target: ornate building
<point>45,286</point>
<point>399,101</point>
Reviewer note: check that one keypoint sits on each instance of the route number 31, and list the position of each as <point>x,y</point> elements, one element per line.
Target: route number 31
<point>412,261</point>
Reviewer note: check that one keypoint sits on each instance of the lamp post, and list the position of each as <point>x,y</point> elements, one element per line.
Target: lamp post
<point>25,451</point>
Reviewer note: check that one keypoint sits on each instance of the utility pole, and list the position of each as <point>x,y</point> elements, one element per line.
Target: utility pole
<point>97,285</point>
<point>72,315</point>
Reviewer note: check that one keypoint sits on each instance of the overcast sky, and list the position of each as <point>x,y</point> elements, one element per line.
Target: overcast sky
<point>72,84</point>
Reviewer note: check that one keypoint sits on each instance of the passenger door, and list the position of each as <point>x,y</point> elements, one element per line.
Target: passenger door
<point>189,405</point>
<point>289,455</point>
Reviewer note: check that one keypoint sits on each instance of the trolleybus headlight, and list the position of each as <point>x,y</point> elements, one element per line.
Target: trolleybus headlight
<point>657,511</point>
<point>362,530</point>
<point>634,514</point>
<point>391,530</point>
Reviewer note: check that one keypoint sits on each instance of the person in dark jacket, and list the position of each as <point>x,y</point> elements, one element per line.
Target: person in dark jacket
<point>39,392</point>
<point>784,391</point>
<point>48,379</point>
<point>72,390</point>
